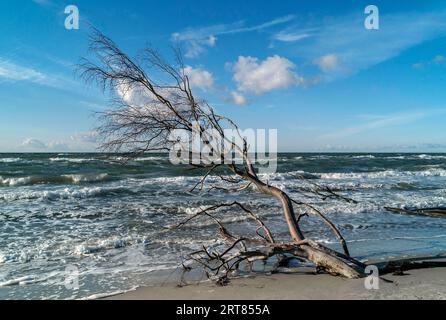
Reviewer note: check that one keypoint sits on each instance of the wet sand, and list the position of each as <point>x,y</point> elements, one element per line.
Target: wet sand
<point>416,284</point>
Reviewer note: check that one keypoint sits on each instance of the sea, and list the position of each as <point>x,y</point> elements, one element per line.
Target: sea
<point>82,226</point>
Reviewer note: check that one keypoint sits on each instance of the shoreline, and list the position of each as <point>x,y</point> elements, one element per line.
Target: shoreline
<point>416,285</point>
<point>302,284</point>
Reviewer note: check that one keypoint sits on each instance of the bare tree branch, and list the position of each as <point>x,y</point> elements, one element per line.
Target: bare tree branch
<point>144,115</point>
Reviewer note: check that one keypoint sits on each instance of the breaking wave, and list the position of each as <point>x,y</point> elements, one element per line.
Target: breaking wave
<point>10,160</point>
<point>385,174</point>
<point>108,218</point>
<point>63,179</point>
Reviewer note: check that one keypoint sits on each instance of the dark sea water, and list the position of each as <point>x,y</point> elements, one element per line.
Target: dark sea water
<point>108,220</point>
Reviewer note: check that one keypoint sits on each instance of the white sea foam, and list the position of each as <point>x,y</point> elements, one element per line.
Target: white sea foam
<point>64,179</point>
<point>10,160</point>
<point>74,160</point>
<point>150,159</point>
<point>66,193</point>
<point>78,178</point>
<point>383,174</point>
<point>431,157</point>
<point>86,249</point>
<point>109,294</point>
<point>14,257</point>
<point>12,182</point>
<point>369,156</point>
<point>18,281</point>
<point>416,157</point>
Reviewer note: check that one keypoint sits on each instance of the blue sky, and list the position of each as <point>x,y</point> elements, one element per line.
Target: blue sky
<point>308,68</point>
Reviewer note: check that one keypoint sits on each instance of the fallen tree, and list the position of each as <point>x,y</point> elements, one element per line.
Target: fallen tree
<point>145,113</point>
<point>429,212</point>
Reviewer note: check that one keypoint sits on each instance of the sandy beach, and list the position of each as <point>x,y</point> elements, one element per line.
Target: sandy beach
<point>414,285</point>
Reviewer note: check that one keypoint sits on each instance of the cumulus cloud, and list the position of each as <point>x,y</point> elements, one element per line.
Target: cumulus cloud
<point>238,98</point>
<point>199,78</point>
<point>195,47</point>
<point>85,141</point>
<point>85,137</point>
<point>143,102</point>
<point>140,97</point>
<point>327,63</point>
<point>259,77</point>
<point>34,144</point>
<point>57,146</point>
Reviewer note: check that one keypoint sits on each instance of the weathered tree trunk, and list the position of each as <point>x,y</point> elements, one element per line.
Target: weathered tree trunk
<point>319,256</point>
<point>287,206</point>
<point>430,212</point>
<point>331,263</point>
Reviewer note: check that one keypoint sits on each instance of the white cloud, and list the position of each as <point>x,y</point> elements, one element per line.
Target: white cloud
<point>195,47</point>
<point>93,105</point>
<point>42,2</point>
<point>85,141</point>
<point>418,65</point>
<point>57,146</point>
<point>140,97</point>
<point>439,58</point>
<point>133,96</point>
<point>85,137</point>
<point>198,40</point>
<point>34,144</point>
<point>284,36</point>
<point>380,121</point>
<point>260,77</point>
<point>143,102</point>
<point>238,98</point>
<point>13,72</point>
<point>199,78</point>
<point>359,48</point>
<point>212,41</point>
<point>327,63</point>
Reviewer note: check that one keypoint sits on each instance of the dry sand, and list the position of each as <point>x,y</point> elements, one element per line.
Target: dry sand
<point>417,284</point>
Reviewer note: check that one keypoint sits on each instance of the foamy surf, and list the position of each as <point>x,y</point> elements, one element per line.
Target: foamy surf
<point>63,179</point>
<point>110,218</point>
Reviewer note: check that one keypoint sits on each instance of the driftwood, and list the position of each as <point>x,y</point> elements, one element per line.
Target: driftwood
<point>400,267</point>
<point>429,212</point>
<point>134,128</point>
